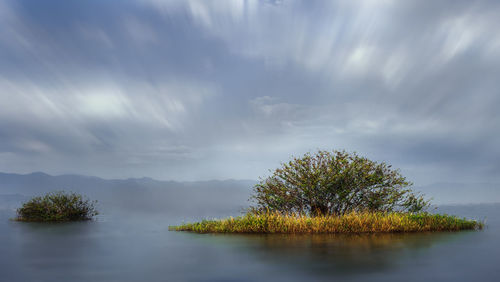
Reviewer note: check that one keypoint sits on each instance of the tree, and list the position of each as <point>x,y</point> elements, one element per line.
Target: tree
<point>334,183</point>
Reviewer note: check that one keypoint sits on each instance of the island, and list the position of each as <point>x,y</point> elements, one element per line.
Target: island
<point>334,192</point>
<point>57,206</point>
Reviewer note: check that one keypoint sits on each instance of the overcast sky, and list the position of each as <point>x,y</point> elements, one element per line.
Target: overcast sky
<point>191,90</point>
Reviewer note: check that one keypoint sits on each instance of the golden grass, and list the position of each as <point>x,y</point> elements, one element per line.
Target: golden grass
<point>354,222</point>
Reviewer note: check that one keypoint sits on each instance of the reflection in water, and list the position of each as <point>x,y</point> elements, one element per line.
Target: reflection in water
<point>335,253</point>
<point>52,249</point>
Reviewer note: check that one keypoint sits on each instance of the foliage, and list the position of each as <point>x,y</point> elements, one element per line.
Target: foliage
<point>352,222</point>
<point>57,206</point>
<point>335,183</point>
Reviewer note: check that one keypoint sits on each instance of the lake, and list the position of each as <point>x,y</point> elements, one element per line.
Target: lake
<point>137,246</point>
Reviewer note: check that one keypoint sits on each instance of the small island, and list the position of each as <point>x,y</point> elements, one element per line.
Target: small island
<point>57,207</point>
<point>334,192</point>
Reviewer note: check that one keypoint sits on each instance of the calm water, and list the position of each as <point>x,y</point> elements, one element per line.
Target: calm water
<point>137,246</point>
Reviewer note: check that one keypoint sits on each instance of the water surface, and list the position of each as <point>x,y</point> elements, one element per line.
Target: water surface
<point>137,246</point>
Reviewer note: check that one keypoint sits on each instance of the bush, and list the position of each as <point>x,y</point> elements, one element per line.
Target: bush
<point>57,206</point>
<point>335,183</point>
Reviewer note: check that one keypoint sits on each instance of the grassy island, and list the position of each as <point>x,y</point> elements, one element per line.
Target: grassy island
<point>353,222</point>
<point>334,192</point>
<point>57,207</point>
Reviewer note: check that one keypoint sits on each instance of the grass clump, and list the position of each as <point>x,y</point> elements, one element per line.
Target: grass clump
<point>57,206</point>
<point>353,222</point>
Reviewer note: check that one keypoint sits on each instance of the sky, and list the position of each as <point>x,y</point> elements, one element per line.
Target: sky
<point>196,90</point>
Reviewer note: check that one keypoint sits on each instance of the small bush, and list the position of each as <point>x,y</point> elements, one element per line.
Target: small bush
<point>57,206</point>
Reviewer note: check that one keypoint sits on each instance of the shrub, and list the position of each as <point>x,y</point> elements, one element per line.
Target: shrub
<point>335,183</point>
<point>57,206</point>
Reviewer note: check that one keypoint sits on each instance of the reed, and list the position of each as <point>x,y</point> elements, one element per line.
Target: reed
<point>353,222</point>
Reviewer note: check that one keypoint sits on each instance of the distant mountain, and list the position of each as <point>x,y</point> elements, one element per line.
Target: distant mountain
<point>218,196</point>
<point>37,182</point>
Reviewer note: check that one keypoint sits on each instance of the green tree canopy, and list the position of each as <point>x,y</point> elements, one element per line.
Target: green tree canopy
<point>334,183</point>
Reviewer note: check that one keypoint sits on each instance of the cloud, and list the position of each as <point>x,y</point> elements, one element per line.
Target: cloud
<point>228,89</point>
